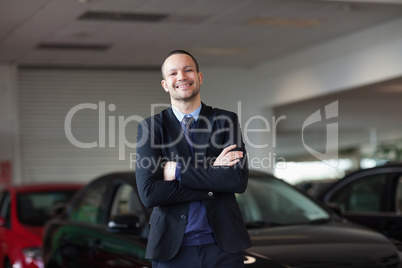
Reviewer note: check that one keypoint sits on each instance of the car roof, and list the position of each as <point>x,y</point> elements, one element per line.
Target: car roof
<point>41,186</point>
<point>386,166</point>
<point>391,167</point>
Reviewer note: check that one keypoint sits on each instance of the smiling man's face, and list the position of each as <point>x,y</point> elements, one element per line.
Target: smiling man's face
<point>181,78</point>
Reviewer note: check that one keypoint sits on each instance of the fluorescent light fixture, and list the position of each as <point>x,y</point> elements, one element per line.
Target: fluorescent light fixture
<point>287,23</point>
<point>73,46</point>
<point>122,16</point>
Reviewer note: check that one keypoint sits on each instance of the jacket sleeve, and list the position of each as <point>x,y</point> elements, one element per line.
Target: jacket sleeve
<point>205,176</point>
<point>152,189</point>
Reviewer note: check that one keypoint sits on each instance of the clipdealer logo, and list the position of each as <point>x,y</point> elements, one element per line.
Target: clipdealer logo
<point>101,143</point>
<point>107,125</point>
<point>332,142</point>
<point>266,128</point>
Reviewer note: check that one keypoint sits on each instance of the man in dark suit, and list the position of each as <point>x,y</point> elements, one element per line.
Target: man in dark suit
<point>191,162</point>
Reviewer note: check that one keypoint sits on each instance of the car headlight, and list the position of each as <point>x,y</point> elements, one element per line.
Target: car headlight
<point>33,253</point>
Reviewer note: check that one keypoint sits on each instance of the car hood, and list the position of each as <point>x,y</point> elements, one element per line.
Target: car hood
<point>35,230</point>
<point>31,233</point>
<point>325,245</point>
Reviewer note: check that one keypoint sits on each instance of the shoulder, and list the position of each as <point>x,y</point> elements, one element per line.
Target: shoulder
<point>217,111</point>
<point>222,112</point>
<point>165,114</point>
<point>157,119</point>
<point>217,114</point>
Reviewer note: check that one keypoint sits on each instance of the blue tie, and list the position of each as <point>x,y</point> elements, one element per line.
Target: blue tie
<point>186,123</point>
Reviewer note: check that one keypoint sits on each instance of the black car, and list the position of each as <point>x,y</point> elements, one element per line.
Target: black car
<point>315,187</point>
<point>106,226</point>
<point>371,197</point>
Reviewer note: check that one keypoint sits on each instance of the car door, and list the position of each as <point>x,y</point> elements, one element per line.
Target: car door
<point>122,241</point>
<point>372,199</point>
<point>74,241</point>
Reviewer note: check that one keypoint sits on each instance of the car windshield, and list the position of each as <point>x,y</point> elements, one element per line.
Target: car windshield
<point>36,208</point>
<point>269,202</point>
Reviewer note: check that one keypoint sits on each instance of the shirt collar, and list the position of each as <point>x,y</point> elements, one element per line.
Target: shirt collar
<point>179,115</point>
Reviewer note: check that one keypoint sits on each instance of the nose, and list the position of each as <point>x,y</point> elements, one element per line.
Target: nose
<point>181,75</point>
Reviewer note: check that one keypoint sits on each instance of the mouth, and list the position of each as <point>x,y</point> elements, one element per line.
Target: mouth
<point>184,85</point>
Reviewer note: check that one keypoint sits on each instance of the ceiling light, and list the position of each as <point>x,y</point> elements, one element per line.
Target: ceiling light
<point>122,16</point>
<point>73,46</point>
<point>391,89</point>
<point>288,23</point>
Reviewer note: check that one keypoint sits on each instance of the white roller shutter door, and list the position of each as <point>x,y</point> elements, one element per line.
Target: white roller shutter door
<point>78,124</point>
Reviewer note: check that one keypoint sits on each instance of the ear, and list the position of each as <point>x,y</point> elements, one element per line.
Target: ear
<point>200,76</point>
<point>163,83</point>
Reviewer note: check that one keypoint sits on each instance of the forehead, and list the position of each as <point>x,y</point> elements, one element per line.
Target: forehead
<point>178,61</point>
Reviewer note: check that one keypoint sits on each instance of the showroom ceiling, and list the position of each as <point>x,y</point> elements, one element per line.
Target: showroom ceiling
<point>225,33</point>
<point>139,33</point>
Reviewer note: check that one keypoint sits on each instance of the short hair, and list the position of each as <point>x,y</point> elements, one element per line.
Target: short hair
<point>179,51</point>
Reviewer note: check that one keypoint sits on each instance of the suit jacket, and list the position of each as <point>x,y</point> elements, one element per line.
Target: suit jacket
<point>160,139</point>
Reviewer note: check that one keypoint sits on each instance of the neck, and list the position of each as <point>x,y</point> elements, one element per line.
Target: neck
<point>186,107</point>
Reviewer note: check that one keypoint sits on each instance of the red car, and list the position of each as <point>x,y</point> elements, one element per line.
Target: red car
<point>24,209</point>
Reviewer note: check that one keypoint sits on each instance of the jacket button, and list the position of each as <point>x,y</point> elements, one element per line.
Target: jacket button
<point>210,193</point>
<point>183,217</point>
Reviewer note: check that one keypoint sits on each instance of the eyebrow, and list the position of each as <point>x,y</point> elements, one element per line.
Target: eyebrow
<point>175,69</point>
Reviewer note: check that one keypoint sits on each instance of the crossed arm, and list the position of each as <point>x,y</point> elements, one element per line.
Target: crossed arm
<point>226,158</point>
<point>157,183</point>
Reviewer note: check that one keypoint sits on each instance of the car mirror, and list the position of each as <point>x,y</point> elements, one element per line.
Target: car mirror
<point>59,210</point>
<point>126,222</point>
<point>334,207</point>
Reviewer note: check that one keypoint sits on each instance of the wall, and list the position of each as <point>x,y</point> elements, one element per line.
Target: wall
<point>366,57</point>
<point>9,128</point>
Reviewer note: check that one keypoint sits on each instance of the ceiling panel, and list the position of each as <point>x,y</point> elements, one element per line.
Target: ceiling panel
<point>203,25</point>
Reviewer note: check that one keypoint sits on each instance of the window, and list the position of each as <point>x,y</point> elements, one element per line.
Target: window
<point>5,209</point>
<point>2,193</point>
<point>362,195</point>
<point>36,208</point>
<point>399,195</point>
<point>91,209</point>
<point>126,201</point>
<point>272,201</point>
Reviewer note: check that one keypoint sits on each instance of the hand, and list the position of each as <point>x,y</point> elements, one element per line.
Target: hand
<point>169,171</point>
<point>228,157</point>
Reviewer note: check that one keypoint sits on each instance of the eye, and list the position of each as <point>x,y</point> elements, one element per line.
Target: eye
<point>189,70</point>
<point>172,74</point>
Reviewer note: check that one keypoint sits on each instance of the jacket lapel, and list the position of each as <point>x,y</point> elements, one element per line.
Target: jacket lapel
<point>205,125</point>
<point>177,141</point>
<point>204,130</point>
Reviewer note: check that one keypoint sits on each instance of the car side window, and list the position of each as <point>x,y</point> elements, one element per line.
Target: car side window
<point>90,209</point>
<point>362,195</point>
<point>399,195</point>
<point>5,209</point>
<point>2,193</point>
<point>126,201</point>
